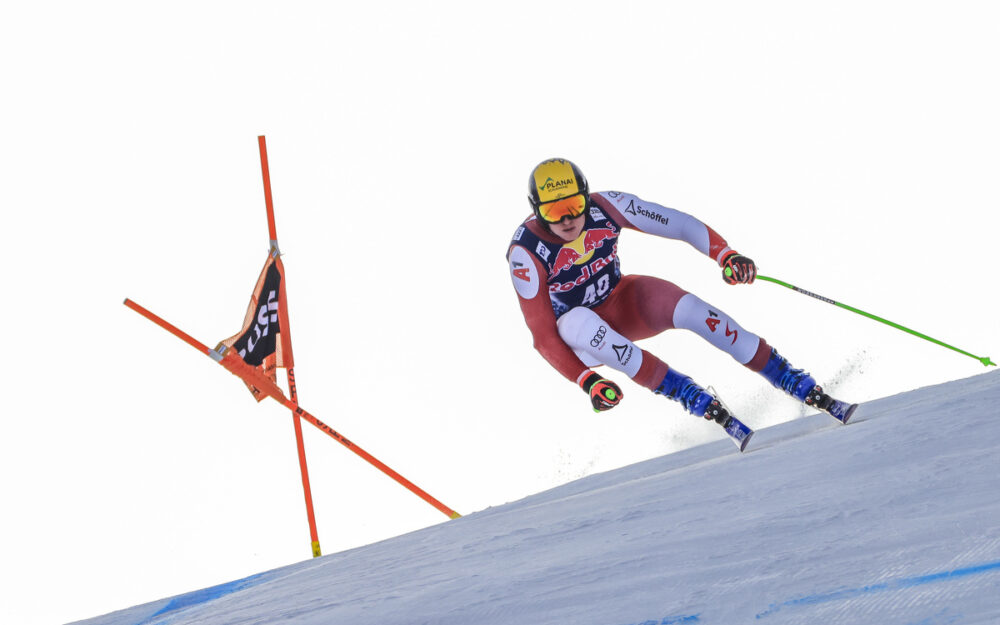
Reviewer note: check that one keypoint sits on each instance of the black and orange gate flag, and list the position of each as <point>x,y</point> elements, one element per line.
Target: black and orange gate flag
<point>264,341</point>
<point>253,377</point>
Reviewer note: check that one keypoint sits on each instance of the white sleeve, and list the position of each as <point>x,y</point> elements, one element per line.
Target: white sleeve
<point>666,222</point>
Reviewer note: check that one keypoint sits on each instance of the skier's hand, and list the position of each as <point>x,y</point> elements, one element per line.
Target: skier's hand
<point>738,269</point>
<point>604,394</point>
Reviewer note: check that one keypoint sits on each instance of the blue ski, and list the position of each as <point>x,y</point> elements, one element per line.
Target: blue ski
<point>739,432</point>
<point>840,410</point>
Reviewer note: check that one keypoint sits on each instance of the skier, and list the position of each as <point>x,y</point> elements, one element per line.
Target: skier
<point>583,312</point>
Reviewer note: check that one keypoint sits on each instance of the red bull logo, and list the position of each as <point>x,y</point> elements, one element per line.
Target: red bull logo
<point>586,272</point>
<point>580,251</point>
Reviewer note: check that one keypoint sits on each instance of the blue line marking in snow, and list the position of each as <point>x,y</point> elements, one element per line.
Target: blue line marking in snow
<point>906,582</point>
<point>204,595</point>
<point>673,620</point>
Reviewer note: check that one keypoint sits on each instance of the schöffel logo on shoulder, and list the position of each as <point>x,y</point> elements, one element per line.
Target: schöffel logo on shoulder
<point>634,209</point>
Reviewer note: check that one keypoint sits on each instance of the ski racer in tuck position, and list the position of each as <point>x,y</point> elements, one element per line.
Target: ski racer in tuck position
<point>583,312</point>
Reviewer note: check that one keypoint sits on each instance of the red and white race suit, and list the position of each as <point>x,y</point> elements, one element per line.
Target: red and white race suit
<point>583,312</point>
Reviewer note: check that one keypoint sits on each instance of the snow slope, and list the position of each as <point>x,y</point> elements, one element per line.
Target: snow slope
<point>892,519</point>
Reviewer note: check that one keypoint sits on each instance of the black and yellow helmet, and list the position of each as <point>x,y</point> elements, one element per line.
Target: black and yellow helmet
<point>555,179</point>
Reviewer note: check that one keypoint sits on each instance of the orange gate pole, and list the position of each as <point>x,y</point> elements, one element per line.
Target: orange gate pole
<point>289,371</point>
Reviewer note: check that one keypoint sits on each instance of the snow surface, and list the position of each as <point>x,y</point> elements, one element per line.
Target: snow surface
<point>894,518</point>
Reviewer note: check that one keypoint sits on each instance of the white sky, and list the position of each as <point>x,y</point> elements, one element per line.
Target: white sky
<point>849,148</point>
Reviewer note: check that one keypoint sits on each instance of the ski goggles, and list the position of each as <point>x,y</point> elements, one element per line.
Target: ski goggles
<point>572,207</point>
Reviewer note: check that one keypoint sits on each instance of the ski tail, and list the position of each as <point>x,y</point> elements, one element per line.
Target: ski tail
<point>736,429</point>
<point>739,432</point>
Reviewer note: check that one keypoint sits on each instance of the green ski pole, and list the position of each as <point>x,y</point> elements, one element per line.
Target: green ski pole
<point>983,359</point>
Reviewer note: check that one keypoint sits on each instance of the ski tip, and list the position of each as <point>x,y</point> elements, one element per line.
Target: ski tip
<point>745,442</point>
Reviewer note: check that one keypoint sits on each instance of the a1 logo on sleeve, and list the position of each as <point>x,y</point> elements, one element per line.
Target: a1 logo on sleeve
<point>523,272</point>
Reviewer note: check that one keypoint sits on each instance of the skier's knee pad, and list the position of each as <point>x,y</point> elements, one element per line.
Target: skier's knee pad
<point>595,342</point>
<point>716,327</point>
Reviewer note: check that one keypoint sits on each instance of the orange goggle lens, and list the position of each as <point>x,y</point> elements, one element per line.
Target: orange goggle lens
<point>572,206</point>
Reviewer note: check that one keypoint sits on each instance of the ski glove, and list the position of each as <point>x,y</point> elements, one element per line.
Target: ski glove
<point>738,269</point>
<point>604,394</point>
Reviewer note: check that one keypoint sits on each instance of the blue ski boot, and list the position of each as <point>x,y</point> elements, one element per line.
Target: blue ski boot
<point>803,387</point>
<point>682,388</point>
<point>795,382</point>
<point>702,403</point>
